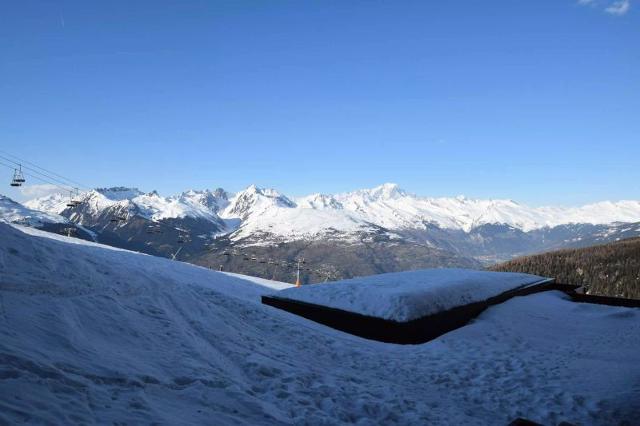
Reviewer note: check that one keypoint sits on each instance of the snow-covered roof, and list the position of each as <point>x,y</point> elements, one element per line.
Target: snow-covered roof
<point>404,296</point>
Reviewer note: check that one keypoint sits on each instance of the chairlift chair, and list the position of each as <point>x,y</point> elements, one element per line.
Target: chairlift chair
<point>18,177</point>
<point>71,203</point>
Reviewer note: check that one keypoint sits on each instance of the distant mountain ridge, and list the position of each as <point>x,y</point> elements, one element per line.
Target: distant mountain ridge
<point>362,225</point>
<point>387,206</point>
<point>13,212</point>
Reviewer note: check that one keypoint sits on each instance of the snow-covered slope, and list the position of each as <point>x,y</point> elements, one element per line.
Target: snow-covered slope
<point>53,203</point>
<point>266,212</point>
<point>91,334</point>
<point>11,211</point>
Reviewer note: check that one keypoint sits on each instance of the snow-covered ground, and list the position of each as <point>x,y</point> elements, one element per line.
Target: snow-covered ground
<point>90,334</point>
<point>404,296</point>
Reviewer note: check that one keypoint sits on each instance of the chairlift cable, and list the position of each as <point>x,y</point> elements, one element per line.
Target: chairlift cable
<point>65,189</point>
<point>23,162</point>
<point>63,183</point>
<point>59,181</point>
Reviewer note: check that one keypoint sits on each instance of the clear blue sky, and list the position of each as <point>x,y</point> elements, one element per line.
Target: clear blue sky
<point>538,101</point>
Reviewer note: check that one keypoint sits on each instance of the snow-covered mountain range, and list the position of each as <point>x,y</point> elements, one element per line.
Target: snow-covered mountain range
<point>196,204</point>
<point>387,206</point>
<point>371,223</point>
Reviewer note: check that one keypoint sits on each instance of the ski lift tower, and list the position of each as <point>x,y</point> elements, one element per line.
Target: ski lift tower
<point>298,273</point>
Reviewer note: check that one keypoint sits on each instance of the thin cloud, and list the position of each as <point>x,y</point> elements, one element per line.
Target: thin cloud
<point>619,7</point>
<point>36,191</point>
<point>616,7</point>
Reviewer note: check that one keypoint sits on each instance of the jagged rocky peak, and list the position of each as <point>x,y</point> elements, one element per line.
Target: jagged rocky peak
<point>221,193</point>
<point>256,193</point>
<point>118,193</point>
<point>254,200</point>
<point>214,201</point>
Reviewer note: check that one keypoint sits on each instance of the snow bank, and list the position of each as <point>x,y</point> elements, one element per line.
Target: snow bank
<point>93,335</point>
<point>404,296</point>
<point>61,265</point>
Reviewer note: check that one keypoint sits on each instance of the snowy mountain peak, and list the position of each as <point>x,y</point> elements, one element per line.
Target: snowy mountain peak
<point>119,193</point>
<point>214,201</point>
<point>14,212</point>
<point>384,192</point>
<point>52,203</point>
<point>386,206</point>
<point>266,192</point>
<point>319,202</point>
<point>254,201</point>
<point>221,194</point>
<point>387,190</point>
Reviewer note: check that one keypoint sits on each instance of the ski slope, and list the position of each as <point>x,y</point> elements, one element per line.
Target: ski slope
<point>92,334</point>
